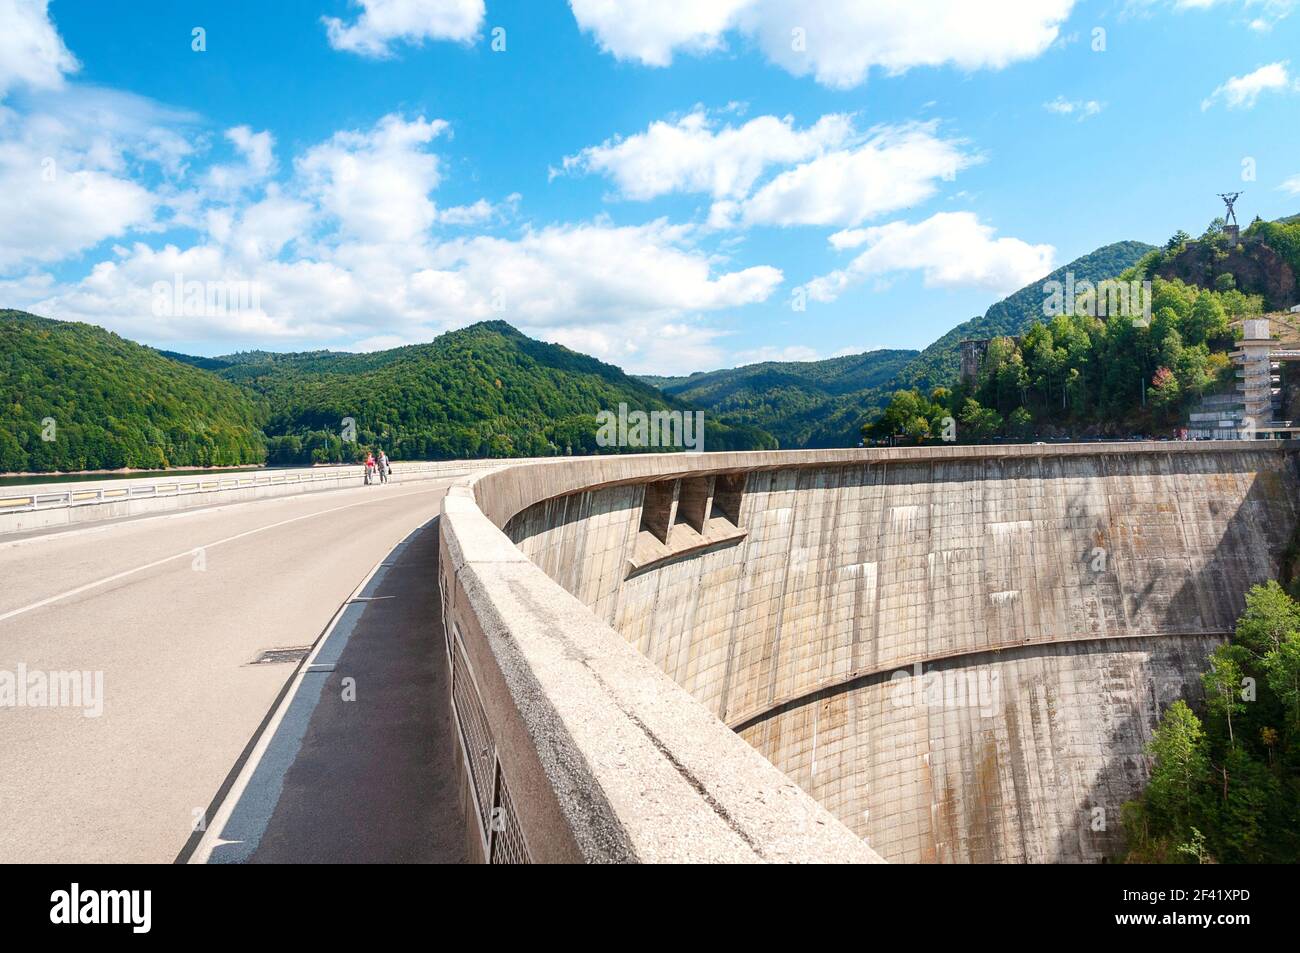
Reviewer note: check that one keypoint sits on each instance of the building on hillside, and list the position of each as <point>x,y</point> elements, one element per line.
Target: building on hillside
<point>973,353</point>
<point>972,357</point>
<point>1251,411</point>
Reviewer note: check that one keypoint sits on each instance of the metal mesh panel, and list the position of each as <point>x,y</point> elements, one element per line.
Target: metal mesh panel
<point>475,734</point>
<point>508,845</point>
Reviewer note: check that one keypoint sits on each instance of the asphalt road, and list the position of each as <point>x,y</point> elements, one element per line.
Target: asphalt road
<point>173,611</point>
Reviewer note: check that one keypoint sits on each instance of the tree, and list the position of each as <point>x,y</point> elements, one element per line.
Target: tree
<point>1020,423</point>
<point>1208,321</point>
<point>1164,392</point>
<point>1181,766</point>
<point>1282,667</point>
<point>1271,615</point>
<point>1222,683</point>
<point>977,422</point>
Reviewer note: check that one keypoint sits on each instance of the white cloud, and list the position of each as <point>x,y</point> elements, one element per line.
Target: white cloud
<point>343,249</point>
<point>480,212</point>
<point>376,184</point>
<point>69,169</point>
<point>346,252</point>
<point>384,22</point>
<point>951,250</point>
<point>49,220</point>
<point>692,154</point>
<point>257,152</point>
<point>830,173</point>
<point>32,53</point>
<point>1291,185</point>
<point>650,31</point>
<point>836,41</point>
<point>590,273</point>
<point>634,295</point>
<point>1262,15</point>
<point>1242,92</point>
<point>895,167</point>
<point>1082,108</point>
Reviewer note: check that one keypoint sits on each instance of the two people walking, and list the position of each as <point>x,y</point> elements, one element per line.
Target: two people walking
<point>377,467</point>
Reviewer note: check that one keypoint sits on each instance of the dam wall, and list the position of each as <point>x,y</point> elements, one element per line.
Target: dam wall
<point>575,748</point>
<point>960,652</point>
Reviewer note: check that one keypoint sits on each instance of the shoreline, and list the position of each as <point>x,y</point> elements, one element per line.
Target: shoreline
<point>121,471</point>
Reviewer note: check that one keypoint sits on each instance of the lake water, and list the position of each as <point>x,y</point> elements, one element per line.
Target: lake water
<point>95,477</point>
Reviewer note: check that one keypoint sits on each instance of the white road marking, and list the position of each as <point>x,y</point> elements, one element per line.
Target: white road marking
<point>189,552</point>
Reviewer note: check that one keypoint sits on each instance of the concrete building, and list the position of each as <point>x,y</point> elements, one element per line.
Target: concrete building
<point>959,653</point>
<point>1252,412</point>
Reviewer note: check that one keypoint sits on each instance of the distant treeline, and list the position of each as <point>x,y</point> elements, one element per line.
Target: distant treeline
<point>1112,373</point>
<point>77,397</point>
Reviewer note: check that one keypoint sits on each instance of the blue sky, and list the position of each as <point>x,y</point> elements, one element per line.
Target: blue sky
<point>660,183</point>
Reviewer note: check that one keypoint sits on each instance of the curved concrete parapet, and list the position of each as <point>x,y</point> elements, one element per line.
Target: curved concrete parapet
<point>577,749</point>
<point>1051,599</point>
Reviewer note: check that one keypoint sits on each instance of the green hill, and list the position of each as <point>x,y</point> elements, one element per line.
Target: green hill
<point>801,403</point>
<point>818,404</point>
<point>1263,260</point>
<point>485,390</point>
<point>105,402</point>
<point>937,365</point>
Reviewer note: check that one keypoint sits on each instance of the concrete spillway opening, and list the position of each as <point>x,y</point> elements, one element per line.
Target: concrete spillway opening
<point>961,655</point>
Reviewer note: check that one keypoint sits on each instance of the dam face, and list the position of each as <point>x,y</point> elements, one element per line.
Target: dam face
<point>960,653</point>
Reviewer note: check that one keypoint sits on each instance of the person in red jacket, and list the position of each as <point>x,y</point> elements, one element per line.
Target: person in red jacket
<point>370,468</point>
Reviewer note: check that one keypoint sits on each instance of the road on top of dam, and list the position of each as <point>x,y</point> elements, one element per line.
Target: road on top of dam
<point>173,612</point>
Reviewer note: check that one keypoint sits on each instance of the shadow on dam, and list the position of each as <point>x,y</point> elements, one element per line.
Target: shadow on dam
<point>1201,615</point>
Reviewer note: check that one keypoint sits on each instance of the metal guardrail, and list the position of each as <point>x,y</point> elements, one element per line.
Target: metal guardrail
<point>133,490</point>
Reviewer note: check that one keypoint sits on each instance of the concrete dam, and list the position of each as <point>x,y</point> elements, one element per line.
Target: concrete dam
<point>948,654</point>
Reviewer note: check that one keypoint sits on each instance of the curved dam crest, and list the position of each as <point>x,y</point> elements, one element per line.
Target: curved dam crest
<point>1053,600</point>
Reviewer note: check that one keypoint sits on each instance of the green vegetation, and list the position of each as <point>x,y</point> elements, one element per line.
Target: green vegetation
<point>104,403</point>
<point>827,403</point>
<point>484,391</point>
<point>1076,373</point>
<point>1225,786</point>
<point>801,403</point>
<point>488,390</point>
<point>937,365</point>
<point>1282,236</point>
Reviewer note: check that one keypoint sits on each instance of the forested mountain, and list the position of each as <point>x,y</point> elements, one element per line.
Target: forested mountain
<point>825,403</point>
<point>488,390</point>
<point>801,403</point>
<point>938,364</point>
<point>77,397</point>
<point>1077,374</point>
<point>1111,375</point>
<point>485,390</point>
